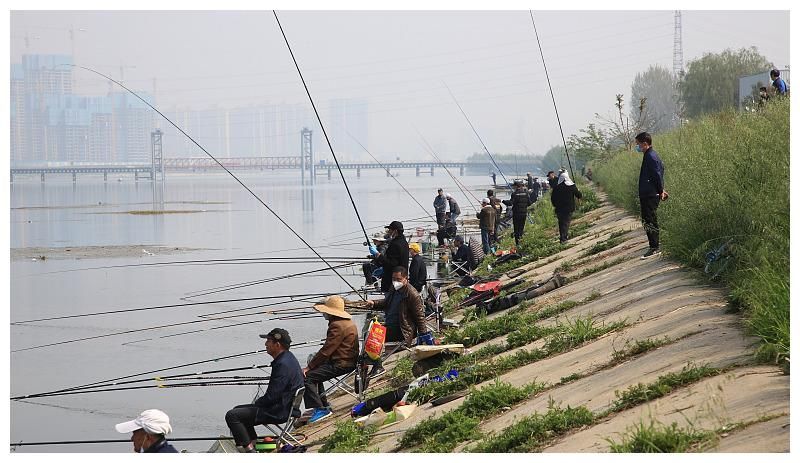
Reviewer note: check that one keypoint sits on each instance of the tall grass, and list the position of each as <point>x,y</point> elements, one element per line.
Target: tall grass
<point>728,179</point>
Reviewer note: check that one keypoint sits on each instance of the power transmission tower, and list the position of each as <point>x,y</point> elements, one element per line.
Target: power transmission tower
<point>677,46</point>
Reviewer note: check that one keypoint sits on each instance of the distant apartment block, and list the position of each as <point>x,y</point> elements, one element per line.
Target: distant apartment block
<point>50,123</point>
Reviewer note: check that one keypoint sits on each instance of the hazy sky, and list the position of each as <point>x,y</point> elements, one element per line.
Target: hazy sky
<point>399,61</point>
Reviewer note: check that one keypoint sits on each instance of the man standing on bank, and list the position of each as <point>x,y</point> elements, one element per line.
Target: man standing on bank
<point>563,199</point>
<point>651,190</point>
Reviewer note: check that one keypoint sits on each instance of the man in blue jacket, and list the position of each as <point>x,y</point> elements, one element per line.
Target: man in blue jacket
<point>651,190</point>
<point>275,405</point>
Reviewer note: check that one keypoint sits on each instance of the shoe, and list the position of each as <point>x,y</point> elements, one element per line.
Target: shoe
<point>376,371</point>
<point>320,414</point>
<point>651,252</point>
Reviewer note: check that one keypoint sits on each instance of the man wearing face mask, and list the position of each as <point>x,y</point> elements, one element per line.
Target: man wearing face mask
<point>148,431</point>
<point>337,356</point>
<point>396,255</point>
<point>405,314</point>
<point>651,190</point>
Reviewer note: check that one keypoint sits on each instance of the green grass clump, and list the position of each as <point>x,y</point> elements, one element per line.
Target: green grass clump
<point>602,266</point>
<point>443,433</point>
<point>454,299</point>
<point>641,393</point>
<point>534,432</point>
<point>743,161</point>
<point>657,438</point>
<point>577,331</point>
<point>348,437</point>
<point>639,347</point>
<point>401,373</point>
<point>603,246</point>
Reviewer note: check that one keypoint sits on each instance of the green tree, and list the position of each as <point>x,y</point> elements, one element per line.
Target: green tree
<point>592,145</point>
<point>554,159</point>
<point>659,87</point>
<point>711,82</point>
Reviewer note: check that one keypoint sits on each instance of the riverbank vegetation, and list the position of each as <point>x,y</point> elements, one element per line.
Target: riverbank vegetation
<point>728,212</point>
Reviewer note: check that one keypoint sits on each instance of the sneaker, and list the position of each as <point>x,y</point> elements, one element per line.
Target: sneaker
<point>320,414</point>
<point>376,371</point>
<point>651,252</point>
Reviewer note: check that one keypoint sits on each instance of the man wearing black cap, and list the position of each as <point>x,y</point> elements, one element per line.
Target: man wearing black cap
<point>275,405</point>
<point>396,255</point>
<point>519,209</point>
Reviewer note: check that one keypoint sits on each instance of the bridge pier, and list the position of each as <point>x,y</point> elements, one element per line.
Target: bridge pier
<point>417,171</point>
<point>12,177</point>
<point>358,172</point>
<point>42,177</point>
<point>460,171</point>
<point>329,173</point>
<point>431,171</point>
<point>135,176</point>
<point>388,174</point>
<point>105,177</point>
<point>74,177</point>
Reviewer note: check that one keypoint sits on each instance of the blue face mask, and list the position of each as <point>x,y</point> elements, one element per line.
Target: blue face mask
<point>638,149</point>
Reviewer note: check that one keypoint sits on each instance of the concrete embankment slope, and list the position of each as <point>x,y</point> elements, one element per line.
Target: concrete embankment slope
<point>657,299</point>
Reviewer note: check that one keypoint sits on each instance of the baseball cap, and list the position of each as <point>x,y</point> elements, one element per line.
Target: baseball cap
<point>395,226</point>
<point>152,421</point>
<point>280,335</point>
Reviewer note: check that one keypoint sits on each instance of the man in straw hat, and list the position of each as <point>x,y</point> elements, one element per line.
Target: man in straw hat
<point>148,431</point>
<point>274,407</point>
<point>337,356</point>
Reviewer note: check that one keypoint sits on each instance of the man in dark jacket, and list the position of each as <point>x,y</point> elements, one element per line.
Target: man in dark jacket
<point>396,254</point>
<point>405,315</point>
<point>537,187</point>
<point>651,190</point>
<point>448,231</point>
<point>440,206</point>
<point>552,179</point>
<point>417,273</point>
<point>519,209</point>
<point>463,255</point>
<point>455,210</point>
<point>487,219</point>
<point>563,199</point>
<point>498,211</point>
<point>337,356</point>
<point>275,405</point>
<point>148,431</point>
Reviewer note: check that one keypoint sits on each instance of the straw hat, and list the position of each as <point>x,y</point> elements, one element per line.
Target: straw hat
<point>333,305</point>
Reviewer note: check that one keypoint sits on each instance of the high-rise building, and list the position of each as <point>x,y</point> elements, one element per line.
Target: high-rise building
<point>348,126</point>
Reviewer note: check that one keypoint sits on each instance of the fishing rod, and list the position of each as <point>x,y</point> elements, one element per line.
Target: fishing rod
<point>552,95</point>
<point>476,134</point>
<point>160,386</point>
<point>120,441</point>
<point>233,286</point>
<point>324,132</point>
<point>464,190</point>
<point>342,235</point>
<point>136,330</point>
<point>158,307</point>
<point>175,367</point>
<point>286,224</point>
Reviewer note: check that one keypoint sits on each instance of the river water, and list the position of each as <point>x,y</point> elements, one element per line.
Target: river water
<point>218,220</point>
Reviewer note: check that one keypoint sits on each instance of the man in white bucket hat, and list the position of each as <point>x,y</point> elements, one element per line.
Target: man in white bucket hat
<point>337,356</point>
<point>148,431</point>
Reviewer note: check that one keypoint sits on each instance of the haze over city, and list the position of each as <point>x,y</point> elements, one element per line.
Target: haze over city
<point>383,75</point>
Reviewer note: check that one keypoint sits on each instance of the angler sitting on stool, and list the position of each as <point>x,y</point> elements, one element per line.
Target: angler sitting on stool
<point>337,356</point>
<point>275,405</point>
<point>405,315</point>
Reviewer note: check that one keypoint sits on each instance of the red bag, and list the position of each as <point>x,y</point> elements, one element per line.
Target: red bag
<point>376,336</point>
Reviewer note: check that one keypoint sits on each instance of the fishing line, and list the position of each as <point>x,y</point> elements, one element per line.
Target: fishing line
<point>225,169</point>
<point>324,132</point>
<point>390,175</point>
<point>476,134</point>
<point>566,150</point>
<point>158,307</point>
<point>343,235</point>
<point>230,287</point>
<point>463,189</point>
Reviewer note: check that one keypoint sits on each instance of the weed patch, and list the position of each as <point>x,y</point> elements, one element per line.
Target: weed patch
<point>348,437</point>
<point>641,393</point>
<point>658,438</point>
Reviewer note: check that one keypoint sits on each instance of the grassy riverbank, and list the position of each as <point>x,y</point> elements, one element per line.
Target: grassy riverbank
<point>728,179</point>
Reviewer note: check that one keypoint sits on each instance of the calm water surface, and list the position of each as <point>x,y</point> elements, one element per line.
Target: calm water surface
<point>232,224</point>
